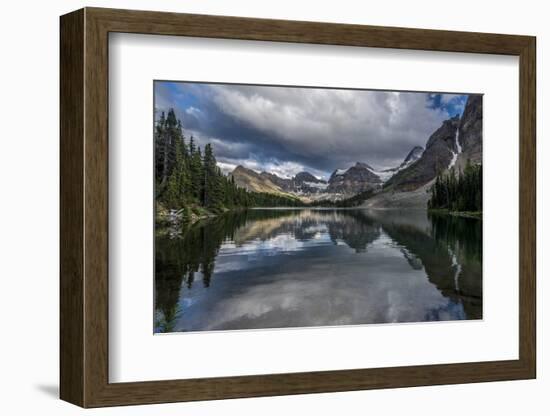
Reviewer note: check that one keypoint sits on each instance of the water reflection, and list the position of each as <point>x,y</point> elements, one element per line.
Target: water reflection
<point>274,268</point>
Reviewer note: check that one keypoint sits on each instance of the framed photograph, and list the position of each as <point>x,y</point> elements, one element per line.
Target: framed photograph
<point>256,207</point>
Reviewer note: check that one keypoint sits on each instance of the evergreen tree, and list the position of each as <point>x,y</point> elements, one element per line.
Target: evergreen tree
<point>159,147</point>
<point>168,135</point>
<point>458,192</point>
<point>185,179</point>
<point>172,133</point>
<point>195,170</point>
<point>212,196</point>
<point>178,182</point>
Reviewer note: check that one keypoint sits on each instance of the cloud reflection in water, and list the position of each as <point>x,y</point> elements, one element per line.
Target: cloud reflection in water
<point>296,268</point>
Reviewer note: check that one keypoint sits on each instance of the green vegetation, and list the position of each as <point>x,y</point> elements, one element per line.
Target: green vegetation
<point>190,181</point>
<point>460,193</point>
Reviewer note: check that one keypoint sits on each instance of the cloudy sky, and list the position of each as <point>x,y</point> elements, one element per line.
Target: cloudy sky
<point>286,130</point>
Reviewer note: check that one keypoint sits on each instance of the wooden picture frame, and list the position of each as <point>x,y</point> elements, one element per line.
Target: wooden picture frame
<point>84,207</point>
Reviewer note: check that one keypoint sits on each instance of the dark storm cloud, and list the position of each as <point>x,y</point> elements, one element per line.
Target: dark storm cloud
<point>285,130</point>
<point>232,138</point>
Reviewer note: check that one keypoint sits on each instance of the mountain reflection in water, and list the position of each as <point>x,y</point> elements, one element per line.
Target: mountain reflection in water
<point>278,268</point>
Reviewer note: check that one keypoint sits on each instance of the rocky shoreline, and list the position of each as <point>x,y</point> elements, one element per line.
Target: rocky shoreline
<point>173,222</point>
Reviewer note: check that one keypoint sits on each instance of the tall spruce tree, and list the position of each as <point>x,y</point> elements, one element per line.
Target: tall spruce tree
<point>159,147</point>
<point>172,135</point>
<point>178,182</point>
<point>185,179</point>
<point>212,186</point>
<point>458,192</point>
<point>195,170</point>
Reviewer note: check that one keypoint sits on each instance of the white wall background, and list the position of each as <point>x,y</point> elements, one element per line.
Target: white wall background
<point>29,207</point>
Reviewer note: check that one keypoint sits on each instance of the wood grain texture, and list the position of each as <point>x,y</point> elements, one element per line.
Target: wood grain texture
<point>84,207</point>
<point>225,27</point>
<point>71,208</point>
<point>96,219</point>
<point>527,207</point>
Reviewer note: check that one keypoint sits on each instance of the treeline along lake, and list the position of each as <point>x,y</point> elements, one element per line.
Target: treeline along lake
<point>229,258</point>
<point>276,268</point>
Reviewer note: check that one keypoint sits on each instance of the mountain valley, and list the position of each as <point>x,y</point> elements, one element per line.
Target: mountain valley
<point>455,143</point>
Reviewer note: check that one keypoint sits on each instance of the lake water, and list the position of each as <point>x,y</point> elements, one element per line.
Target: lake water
<point>279,268</point>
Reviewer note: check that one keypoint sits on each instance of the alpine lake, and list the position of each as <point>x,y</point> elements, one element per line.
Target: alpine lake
<point>288,267</point>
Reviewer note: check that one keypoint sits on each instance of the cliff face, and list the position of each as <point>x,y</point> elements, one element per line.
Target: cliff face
<point>354,180</point>
<point>438,156</point>
<point>452,145</point>
<point>413,156</point>
<point>471,129</point>
<point>456,142</point>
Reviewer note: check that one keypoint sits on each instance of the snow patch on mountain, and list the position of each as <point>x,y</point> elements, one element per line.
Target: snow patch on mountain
<point>385,174</point>
<point>458,150</point>
<point>318,185</point>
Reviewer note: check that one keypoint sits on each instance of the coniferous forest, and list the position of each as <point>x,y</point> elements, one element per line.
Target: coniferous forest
<point>189,181</point>
<point>272,201</point>
<point>187,177</point>
<point>462,192</point>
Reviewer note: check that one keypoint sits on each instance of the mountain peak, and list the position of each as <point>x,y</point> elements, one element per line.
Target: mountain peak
<point>240,168</point>
<point>338,172</point>
<point>306,177</point>
<point>363,165</point>
<point>414,154</point>
<point>358,178</point>
<point>253,181</point>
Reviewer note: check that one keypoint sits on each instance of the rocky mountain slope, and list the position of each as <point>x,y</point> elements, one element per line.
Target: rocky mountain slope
<point>254,182</point>
<point>470,131</point>
<point>304,183</point>
<point>415,154</point>
<point>440,148</point>
<point>343,183</point>
<point>358,178</point>
<point>457,141</point>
